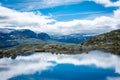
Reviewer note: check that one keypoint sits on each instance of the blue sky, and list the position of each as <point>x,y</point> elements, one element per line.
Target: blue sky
<point>79,10</point>
<point>57,15</point>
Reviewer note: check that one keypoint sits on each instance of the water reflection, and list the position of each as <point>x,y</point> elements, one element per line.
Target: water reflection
<point>46,66</point>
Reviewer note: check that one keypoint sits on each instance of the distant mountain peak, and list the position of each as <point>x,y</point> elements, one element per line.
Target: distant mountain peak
<point>6,30</point>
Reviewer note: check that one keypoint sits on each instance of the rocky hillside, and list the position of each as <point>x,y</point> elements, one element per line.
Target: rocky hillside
<point>72,38</point>
<point>10,38</point>
<point>109,42</point>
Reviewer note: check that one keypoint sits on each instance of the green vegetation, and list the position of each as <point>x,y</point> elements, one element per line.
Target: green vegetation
<point>109,42</point>
<point>54,48</point>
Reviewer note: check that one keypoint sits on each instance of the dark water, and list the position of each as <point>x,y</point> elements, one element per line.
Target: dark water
<point>96,65</point>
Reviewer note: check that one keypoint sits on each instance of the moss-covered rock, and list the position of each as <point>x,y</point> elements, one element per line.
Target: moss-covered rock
<point>109,42</point>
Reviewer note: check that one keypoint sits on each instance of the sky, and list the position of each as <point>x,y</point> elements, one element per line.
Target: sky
<point>61,16</point>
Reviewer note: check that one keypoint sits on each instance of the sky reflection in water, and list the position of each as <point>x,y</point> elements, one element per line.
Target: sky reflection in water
<point>96,65</point>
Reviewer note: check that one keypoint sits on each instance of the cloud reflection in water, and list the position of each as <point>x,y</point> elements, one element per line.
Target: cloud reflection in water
<point>44,61</point>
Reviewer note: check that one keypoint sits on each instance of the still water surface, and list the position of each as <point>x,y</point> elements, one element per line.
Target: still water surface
<point>95,65</point>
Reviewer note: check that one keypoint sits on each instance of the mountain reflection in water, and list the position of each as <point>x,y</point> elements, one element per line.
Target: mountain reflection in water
<point>96,65</point>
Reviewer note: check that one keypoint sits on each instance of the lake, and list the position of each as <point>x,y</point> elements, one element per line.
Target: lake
<point>94,65</point>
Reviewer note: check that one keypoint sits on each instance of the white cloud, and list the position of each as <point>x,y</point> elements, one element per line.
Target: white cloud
<point>107,3</point>
<point>40,4</point>
<point>113,78</point>
<point>98,25</point>
<point>73,14</point>
<point>40,23</point>
<point>13,18</point>
<point>43,61</point>
<point>52,3</point>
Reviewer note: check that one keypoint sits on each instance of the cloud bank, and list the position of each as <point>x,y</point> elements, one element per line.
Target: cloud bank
<point>13,18</point>
<point>40,23</point>
<point>108,3</point>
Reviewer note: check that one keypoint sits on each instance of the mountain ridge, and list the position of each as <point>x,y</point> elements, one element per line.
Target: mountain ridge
<point>14,37</point>
<point>108,42</point>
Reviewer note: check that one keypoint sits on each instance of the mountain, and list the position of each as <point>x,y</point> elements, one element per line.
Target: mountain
<point>6,30</point>
<point>72,38</point>
<point>109,42</point>
<point>21,34</point>
<point>12,37</point>
<point>43,36</point>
